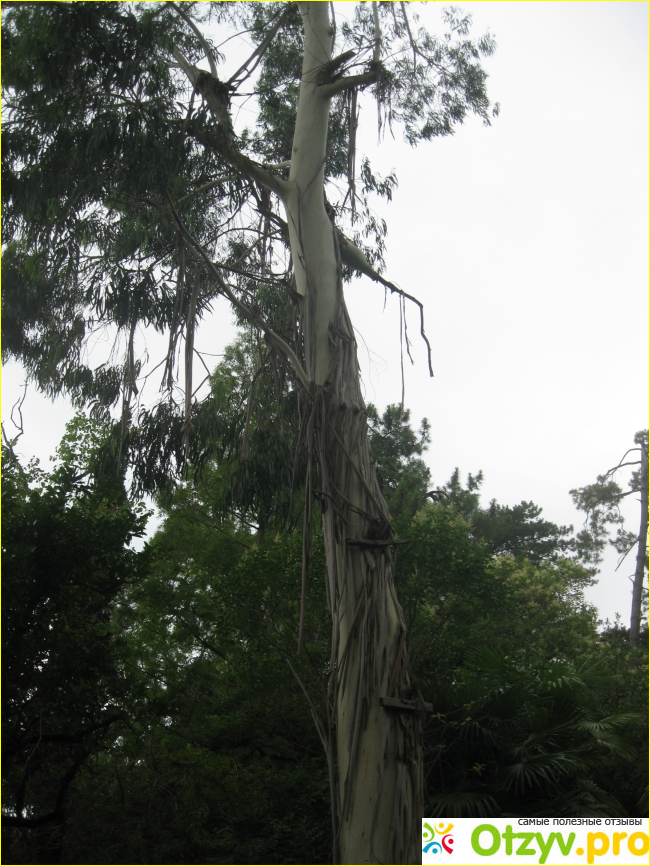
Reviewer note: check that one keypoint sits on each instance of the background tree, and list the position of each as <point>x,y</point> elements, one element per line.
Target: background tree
<point>545,715</point>
<point>514,530</point>
<point>125,184</point>
<point>600,502</point>
<point>65,561</point>
<point>396,451</point>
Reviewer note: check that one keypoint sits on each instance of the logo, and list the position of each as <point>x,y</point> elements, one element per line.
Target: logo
<point>535,841</point>
<point>435,840</point>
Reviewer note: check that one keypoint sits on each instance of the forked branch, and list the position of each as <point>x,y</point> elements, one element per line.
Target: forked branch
<point>204,45</point>
<point>354,258</point>
<point>243,308</point>
<point>257,55</point>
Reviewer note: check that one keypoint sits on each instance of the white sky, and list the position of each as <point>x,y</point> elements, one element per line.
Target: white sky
<point>527,242</point>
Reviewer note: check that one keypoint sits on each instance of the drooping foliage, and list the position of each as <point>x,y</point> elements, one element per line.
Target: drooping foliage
<point>109,156</point>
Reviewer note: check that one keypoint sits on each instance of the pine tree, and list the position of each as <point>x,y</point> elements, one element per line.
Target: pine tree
<point>600,501</point>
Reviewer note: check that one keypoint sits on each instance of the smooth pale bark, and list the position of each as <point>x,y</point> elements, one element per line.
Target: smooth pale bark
<point>311,233</point>
<point>376,779</point>
<point>378,750</point>
<point>639,573</point>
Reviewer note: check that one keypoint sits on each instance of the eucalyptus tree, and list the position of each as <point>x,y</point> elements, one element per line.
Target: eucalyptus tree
<point>133,198</point>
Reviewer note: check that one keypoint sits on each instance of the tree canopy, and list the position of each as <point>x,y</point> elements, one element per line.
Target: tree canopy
<point>274,218</point>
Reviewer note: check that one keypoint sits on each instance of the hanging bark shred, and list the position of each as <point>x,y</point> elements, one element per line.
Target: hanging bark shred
<point>176,323</point>
<point>190,326</point>
<point>129,388</point>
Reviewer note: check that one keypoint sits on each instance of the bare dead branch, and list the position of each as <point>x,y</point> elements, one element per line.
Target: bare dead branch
<point>634,463</point>
<point>200,356</point>
<point>631,547</point>
<point>18,407</point>
<point>354,258</point>
<point>320,727</point>
<point>347,82</point>
<point>201,384</point>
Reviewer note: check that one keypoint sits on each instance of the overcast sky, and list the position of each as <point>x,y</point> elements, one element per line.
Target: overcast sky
<point>527,242</point>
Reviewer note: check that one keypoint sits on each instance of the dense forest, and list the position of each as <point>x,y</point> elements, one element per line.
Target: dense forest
<point>155,710</point>
<point>319,645</point>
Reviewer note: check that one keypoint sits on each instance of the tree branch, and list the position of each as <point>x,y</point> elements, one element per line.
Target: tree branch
<point>9,443</point>
<point>76,737</point>
<point>57,813</point>
<point>255,170</point>
<point>622,559</point>
<point>410,35</point>
<point>204,45</point>
<point>213,91</point>
<point>633,463</point>
<point>203,641</point>
<point>259,51</point>
<point>253,317</point>
<point>347,83</point>
<point>354,258</point>
<point>206,186</point>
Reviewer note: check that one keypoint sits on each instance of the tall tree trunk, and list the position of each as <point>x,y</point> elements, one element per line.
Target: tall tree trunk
<point>379,786</point>
<point>639,573</point>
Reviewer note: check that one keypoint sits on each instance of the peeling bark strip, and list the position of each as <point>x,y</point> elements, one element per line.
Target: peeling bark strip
<point>379,788</point>
<point>406,706</point>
